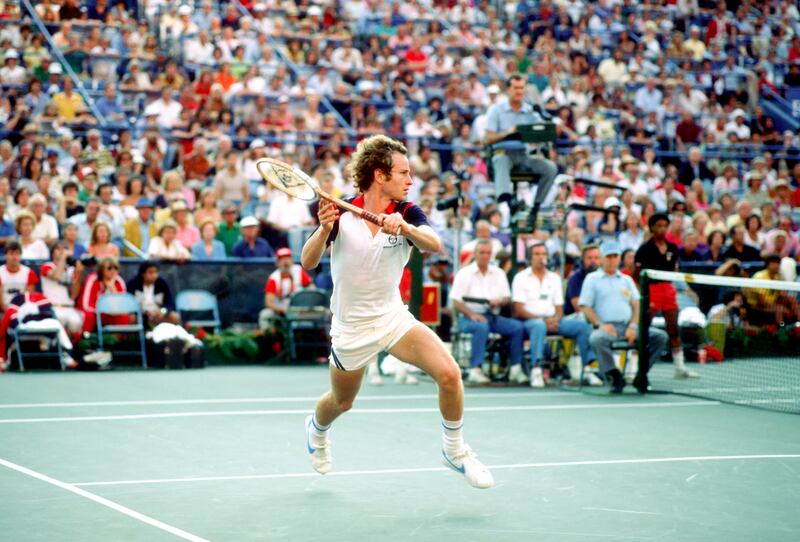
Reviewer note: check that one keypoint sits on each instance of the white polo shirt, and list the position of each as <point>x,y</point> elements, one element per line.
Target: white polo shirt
<point>367,269</point>
<point>470,282</point>
<point>539,297</point>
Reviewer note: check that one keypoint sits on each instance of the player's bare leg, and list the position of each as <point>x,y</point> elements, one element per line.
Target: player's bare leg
<point>681,371</point>
<point>422,348</point>
<point>335,402</point>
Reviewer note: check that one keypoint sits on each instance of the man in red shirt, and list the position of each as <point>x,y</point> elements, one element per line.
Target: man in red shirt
<point>287,279</point>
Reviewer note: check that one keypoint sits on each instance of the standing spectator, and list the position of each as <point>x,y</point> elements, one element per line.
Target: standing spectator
<point>154,296</point>
<point>208,247</point>
<point>15,278</point>
<point>251,245</point>
<point>287,279</point>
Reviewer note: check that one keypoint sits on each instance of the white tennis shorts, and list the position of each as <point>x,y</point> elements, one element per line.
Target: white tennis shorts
<point>355,346</point>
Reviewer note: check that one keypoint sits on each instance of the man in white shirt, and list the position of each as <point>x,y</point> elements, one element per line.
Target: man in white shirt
<point>346,58</point>
<point>482,280</point>
<point>199,50</point>
<point>538,300</point>
<point>167,109</point>
<point>61,284</point>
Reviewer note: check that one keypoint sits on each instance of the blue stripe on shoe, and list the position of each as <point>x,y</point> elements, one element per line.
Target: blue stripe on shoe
<point>453,465</point>
<point>311,449</point>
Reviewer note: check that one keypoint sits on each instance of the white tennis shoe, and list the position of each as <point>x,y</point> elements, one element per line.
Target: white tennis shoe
<point>466,462</point>
<point>517,375</point>
<point>476,376</point>
<point>537,378</point>
<point>320,455</point>
<point>683,372</point>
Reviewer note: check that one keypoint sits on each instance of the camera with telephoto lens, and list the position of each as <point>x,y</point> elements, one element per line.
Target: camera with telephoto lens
<point>86,259</point>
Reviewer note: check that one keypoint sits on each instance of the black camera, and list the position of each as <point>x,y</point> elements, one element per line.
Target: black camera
<point>86,259</point>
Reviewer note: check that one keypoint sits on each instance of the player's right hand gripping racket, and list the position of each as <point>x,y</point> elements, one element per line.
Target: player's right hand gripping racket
<point>296,183</point>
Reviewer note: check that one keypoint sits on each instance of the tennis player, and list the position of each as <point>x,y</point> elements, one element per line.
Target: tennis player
<point>369,316</point>
<point>658,253</point>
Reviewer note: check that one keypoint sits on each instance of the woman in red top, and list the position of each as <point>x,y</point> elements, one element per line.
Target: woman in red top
<point>105,280</point>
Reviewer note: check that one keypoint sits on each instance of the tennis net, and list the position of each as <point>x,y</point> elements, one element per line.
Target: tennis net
<point>741,337</point>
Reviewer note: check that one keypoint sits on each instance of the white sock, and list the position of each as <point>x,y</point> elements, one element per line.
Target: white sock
<point>451,436</point>
<point>677,358</point>
<point>319,433</point>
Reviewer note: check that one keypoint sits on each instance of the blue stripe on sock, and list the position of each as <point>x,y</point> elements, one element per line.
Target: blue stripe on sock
<point>317,427</point>
<point>452,428</point>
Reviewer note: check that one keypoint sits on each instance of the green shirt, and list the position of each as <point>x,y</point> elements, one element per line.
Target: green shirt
<point>228,235</point>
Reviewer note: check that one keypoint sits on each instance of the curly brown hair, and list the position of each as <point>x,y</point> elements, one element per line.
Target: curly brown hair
<point>373,153</point>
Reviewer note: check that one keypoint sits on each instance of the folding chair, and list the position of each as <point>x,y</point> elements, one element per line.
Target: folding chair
<point>119,304</point>
<point>624,348</point>
<point>195,301</point>
<point>51,334</point>
<point>308,310</point>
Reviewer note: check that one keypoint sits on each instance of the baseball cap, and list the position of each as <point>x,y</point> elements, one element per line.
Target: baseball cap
<point>248,221</point>
<point>610,247</point>
<point>283,252</point>
<point>55,68</point>
<point>144,202</point>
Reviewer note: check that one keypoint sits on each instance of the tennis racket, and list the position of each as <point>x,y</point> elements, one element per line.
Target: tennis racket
<point>294,182</point>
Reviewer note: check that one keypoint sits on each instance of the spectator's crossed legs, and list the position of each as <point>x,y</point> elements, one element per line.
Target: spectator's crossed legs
<point>507,327</point>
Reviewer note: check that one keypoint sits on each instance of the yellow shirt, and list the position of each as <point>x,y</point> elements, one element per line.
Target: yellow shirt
<point>68,106</point>
<point>769,296</point>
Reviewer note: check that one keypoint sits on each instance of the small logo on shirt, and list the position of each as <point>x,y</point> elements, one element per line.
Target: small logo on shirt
<point>392,242</point>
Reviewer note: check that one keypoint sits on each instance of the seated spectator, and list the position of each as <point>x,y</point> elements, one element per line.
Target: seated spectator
<point>110,212</point>
<point>32,310</point>
<point>481,279</point>
<point>141,229</point>
<point>754,235</point>
<point>251,245</point>
<point>738,250</point>
<point>207,208</point>
<point>633,234</point>
<point>694,168</point>
<point>61,283</point>
<point>100,245</point>
<point>7,231</point>
<point>32,249</point>
<point>84,222</point>
<point>538,301</point>
<point>68,204</point>
<point>187,235</point>
<point>208,247</point>
<point>692,250</point>
<point>772,306</point>
<point>230,182</point>
<point>175,190</point>
<point>105,279</point>
<point>229,232</point>
<point>590,259</point>
<point>483,232</point>
<point>46,226</point>
<point>282,283</point>
<point>287,215</point>
<point>154,296</point>
<point>610,302</point>
<point>70,240</point>
<point>165,246</point>
<point>15,278</point>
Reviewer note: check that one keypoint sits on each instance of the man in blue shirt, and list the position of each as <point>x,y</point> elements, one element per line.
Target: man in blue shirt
<point>502,120</point>
<point>7,231</point>
<point>251,245</point>
<point>610,302</point>
<point>109,106</point>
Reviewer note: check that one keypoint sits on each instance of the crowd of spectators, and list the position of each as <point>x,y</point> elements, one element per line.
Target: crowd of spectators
<point>132,128</point>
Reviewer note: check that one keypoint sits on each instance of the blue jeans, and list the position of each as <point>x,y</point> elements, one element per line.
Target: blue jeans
<point>578,330</point>
<point>507,327</point>
<point>601,344</point>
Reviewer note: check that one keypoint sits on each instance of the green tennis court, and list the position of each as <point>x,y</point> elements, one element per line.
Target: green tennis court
<point>219,454</point>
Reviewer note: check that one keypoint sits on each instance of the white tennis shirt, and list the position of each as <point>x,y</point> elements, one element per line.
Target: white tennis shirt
<point>366,269</point>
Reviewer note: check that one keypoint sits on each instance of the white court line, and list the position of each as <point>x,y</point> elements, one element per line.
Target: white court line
<point>246,400</point>
<point>622,511</point>
<point>180,533</point>
<point>442,469</point>
<point>579,406</point>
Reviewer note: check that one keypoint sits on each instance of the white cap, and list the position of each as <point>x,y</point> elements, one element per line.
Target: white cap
<point>248,221</point>
<point>259,7</point>
<point>11,53</point>
<point>151,109</point>
<point>611,202</point>
<point>493,89</point>
<point>314,11</point>
<point>55,68</point>
<point>87,171</point>
<point>184,10</point>
<point>257,144</point>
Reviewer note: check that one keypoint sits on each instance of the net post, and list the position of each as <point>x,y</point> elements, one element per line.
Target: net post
<point>644,326</point>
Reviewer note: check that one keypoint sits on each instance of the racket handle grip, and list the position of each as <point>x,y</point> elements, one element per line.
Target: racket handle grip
<point>366,215</point>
